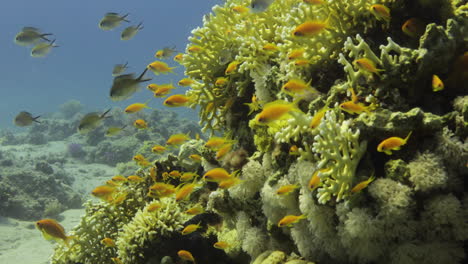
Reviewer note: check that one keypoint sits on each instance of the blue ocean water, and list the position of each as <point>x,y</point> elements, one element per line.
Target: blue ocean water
<point>81,67</point>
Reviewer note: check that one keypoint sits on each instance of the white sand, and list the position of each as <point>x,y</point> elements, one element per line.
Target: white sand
<point>20,242</point>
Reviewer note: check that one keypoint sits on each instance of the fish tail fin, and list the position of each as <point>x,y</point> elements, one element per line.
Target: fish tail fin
<point>124,17</point>
<point>140,26</point>
<point>408,136</point>
<point>35,119</point>
<point>43,36</point>
<point>104,115</point>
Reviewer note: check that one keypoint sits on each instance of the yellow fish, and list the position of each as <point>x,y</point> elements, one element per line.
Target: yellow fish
<point>413,27</point>
<point>231,67</point>
<point>158,149</point>
<point>186,255</point>
<point>134,178</point>
<point>289,220</point>
<point>108,242</point>
<point>194,49</point>
<point>136,107</point>
<point>187,176</point>
<point>355,108</point>
<point>179,57</point>
<point>177,100</point>
<point>223,151</point>
<point>221,81</point>
<point>197,209</point>
<point>221,245</point>
<point>153,206</point>
<point>228,183</point>
<point>190,229</point>
<point>273,111</point>
<point>287,189</point>
<point>240,9</point>
<point>315,122</point>
<point>103,192</point>
<point>314,181</point>
<point>437,84</point>
<point>140,124</point>
<point>195,157</point>
<point>311,28</point>
<point>297,86</point>
<point>362,184</point>
<point>380,12</point>
<point>51,229</point>
<point>270,47</point>
<point>367,65</point>
<point>165,52</point>
<point>216,175</point>
<point>392,143</point>
<point>186,82</point>
<point>177,139</point>
<point>295,54</point>
<point>183,191</point>
<point>158,67</point>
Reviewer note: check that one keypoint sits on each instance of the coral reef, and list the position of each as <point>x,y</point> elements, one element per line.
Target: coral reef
<point>345,199</point>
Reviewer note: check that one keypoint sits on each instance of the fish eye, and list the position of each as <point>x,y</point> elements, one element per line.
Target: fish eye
<point>297,33</point>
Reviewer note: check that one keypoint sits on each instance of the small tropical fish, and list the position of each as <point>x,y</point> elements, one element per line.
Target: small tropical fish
<point>270,47</point>
<point>187,176</point>
<point>186,82</point>
<point>134,178</point>
<point>140,124</point>
<point>113,131</point>
<point>311,28</point>
<point>136,107</point>
<point>362,184</point>
<point>165,52</point>
<point>195,157</point>
<point>103,192</point>
<point>197,209</point>
<point>159,190</point>
<point>177,139</point>
<point>295,54</point>
<point>160,67</point>
<point>153,207</point>
<point>367,65</point>
<point>293,150</point>
<point>437,84</point>
<point>25,119</point>
<point>51,229</point>
<point>119,69</point>
<point>158,149</point>
<point>240,9</point>
<point>258,6</point>
<point>228,183</point>
<point>130,31</point>
<point>91,121</point>
<point>154,87</point>
<point>177,100</point>
<point>217,175</point>
<point>186,255</point>
<point>231,67</point>
<point>112,20</point>
<point>29,36</point>
<point>119,178</point>
<point>225,149</point>
<point>289,220</point>
<point>139,158</point>
<point>297,86</point>
<point>42,49</point>
<point>179,57</point>
<point>152,173</point>
<point>314,181</point>
<point>413,27</point>
<point>183,191</point>
<point>194,49</point>
<point>355,108</point>
<point>287,189</point>
<point>315,122</point>
<point>392,143</point>
<point>221,245</point>
<point>215,143</point>
<point>301,62</point>
<point>108,242</point>
<point>190,229</point>
<point>175,174</point>
<point>380,12</point>
<point>273,111</point>
<point>163,90</point>
<point>221,81</point>
<point>112,183</point>
<point>124,86</point>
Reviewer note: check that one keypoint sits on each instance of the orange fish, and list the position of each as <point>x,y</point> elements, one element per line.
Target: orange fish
<point>228,183</point>
<point>103,192</point>
<point>223,151</point>
<point>177,139</point>
<point>287,189</point>
<point>177,100</point>
<point>134,178</point>
<point>179,57</point>
<point>140,124</point>
<point>221,81</point>
<point>194,49</point>
<point>190,229</point>
<point>295,54</point>
<point>231,67</point>
<point>197,209</point>
<point>221,245</point>
<point>367,66</point>
<point>183,192</point>
<point>195,157</point>
<point>152,173</point>
<point>315,122</point>
<point>380,12</point>
<point>392,143</point>
<point>240,9</point>
<point>51,229</point>
<point>293,150</point>
<point>136,107</point>
<point>158,149</point>
<point>301,62</point>
<point>289,220</point>
<point>153,207</point>
<point>270,47</point>
<point>355,108</point>
<point>413,27</point>
<point>314,181</point>
<point>186,255</point>
<point>186,82</point>
<point>108,242</point>
<point>437,84</point>
<point>215,143</point>
<point>296,86</point>
<point>216,175</point>
<point>119,178</point>
<point>187,176</point>
<point>311,28</point>
<point>273,111</point>
<point>158,67</point>
<point>362,184</point>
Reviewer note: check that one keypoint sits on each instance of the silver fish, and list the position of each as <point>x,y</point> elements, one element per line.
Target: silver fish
<point>25,119</point>
<point>124,86</point>
<point>258,6</point>
<point>42,49</point>
<point>29,36</point>
<point>112,20</point>
<point>130,32</point>
<point>91,121</point>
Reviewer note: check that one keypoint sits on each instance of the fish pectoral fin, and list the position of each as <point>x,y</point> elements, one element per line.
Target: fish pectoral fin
<point>388,152</point>
<point>397,148</point>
